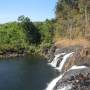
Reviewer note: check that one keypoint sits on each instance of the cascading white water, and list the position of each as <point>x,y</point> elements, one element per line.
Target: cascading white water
<point>54,62</point>
<point>64,60</point>
<point>77,67</point>
<point>53,83</point>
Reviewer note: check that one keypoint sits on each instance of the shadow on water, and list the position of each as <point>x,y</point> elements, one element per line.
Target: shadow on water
<point>25,73</point>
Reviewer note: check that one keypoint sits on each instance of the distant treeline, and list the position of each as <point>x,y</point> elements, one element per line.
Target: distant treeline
<point>25,35</point>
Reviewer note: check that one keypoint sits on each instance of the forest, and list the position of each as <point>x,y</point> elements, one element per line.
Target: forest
<point>25,35</point>
<point>73,18</point>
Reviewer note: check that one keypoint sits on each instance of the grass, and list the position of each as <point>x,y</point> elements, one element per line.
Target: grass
<point>63,42</point>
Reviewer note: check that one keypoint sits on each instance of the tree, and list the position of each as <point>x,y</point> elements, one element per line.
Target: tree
<point>73,17</point>
<point>32,32</point>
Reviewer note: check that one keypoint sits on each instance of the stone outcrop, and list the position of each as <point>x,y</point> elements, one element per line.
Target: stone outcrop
<point>75,80</point>
<point>81,57</point>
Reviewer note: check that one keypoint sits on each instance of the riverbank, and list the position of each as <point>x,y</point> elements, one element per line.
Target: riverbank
<point>47,49</point>
<point>73,63</point>
<point>30,50</point>
<point>11,55</point>
<point>67,58</point>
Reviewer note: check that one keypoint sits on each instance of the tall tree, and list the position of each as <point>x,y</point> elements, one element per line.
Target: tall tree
<point>73,17</point>
<point>32,32</point>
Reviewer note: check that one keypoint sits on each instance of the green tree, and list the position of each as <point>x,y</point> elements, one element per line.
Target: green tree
<point>32,32</point>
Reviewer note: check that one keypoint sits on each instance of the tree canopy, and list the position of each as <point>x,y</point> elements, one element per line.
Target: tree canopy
<point>73,18</point>
<point>31,31</point>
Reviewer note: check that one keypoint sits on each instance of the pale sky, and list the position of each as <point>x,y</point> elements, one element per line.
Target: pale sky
<point>37,10</point>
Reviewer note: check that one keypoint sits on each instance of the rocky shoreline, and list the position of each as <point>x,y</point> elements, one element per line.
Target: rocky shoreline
<point>76,79</point>
<point>12,53</point>
<point>73,79</point>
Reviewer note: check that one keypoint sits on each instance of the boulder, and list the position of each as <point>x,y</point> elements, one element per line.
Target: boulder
<point>74,80</point>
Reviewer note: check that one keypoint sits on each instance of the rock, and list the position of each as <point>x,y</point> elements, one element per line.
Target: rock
<point>85,52</point>
<point>1,53</point>
<point>78,79</point>
<point>52,53</point>
<point>59,61</point>
<point>80,57</point>
<point>68,49</point>
<point>75,80</point>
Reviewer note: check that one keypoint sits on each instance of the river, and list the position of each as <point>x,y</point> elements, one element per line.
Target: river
<point>25,73</point>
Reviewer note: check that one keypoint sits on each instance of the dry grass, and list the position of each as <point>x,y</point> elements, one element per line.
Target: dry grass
<point>59,42</point>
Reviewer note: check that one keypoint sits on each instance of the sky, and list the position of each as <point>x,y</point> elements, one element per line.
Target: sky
<point>36,10</point>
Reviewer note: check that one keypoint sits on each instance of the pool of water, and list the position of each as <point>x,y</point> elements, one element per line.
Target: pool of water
<point>25,73</point>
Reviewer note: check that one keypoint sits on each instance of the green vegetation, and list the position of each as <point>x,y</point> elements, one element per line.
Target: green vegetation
<point>12,37</point>
<point>72,21</point>
<point>29,28</point>
<point>25,36</point>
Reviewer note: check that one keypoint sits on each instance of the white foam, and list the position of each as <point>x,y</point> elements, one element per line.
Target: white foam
<point>77,67</point>
<point>63,61</point>
<point>54,62</point>
<point>53,83</point>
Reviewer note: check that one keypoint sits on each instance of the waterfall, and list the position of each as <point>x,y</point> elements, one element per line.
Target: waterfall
<point>77,67</point>
<point>64,57</point>
<point>53,83</point>
<point>63,61</point>
<point>53,63</point>
<point>55,60</point>
<point>61,58</point>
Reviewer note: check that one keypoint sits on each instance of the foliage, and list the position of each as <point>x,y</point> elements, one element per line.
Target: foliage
<point>32,32</point>
<point>25,35</point>
<point>46,30</point>
<point>12,36</point>
<point>73,18</point>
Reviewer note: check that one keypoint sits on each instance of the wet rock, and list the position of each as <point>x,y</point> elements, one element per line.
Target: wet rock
<point>68,49</point>
<point>52,53</point>
<point>75,80</point>
<point>59,61</point>
<point>80,57</point>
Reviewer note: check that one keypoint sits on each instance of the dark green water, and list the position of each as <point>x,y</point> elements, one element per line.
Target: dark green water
<point>25,73</point>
